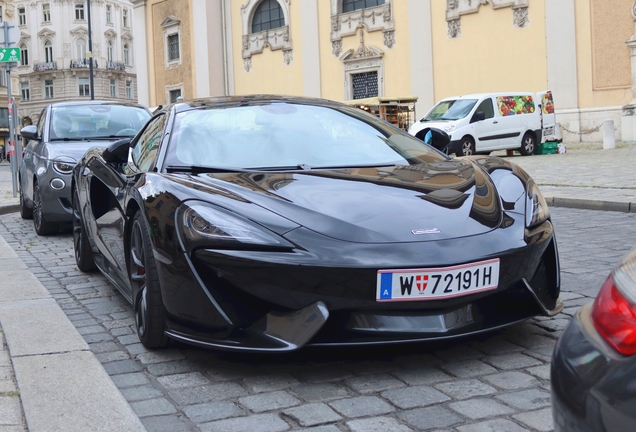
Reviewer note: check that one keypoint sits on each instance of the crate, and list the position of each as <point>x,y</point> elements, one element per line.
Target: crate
<point>546,148</point>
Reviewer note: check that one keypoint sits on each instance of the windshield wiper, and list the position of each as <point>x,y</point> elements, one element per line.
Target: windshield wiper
<point>304,167</point>
<point>203,169</point>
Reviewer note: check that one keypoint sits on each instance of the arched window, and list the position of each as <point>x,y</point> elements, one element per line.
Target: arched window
<point>48,51</point>
<point>24,55</point>
<point>352,5</point>
<point>109,50</point>
<point>80,49</point>
<point>268,15</point>
<point>127,54</point>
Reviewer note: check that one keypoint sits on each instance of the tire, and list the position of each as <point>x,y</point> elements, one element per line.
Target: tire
<point>528,144</point>
<point>25,212</point>
<point>467,147</point>
<point>150,313</point>
<point>41,225</point>
<point>82,247</point>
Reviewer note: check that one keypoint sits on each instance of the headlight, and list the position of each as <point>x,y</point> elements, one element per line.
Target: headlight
<point>205,225</point>
<point>449,128</point>
<point>64,165</point>
<point>536,207</point>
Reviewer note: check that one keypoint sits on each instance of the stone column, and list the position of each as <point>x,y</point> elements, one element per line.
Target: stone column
<point>141,51</point>
<point>628,121</point>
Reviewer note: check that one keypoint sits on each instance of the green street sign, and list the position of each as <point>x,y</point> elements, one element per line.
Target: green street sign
<point>8,55</point>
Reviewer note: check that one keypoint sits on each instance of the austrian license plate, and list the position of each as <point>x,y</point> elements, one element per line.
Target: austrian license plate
<point>437,283</point>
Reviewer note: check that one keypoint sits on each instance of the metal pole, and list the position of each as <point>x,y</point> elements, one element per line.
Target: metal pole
<point>90,50</point>
<point>14,164</point>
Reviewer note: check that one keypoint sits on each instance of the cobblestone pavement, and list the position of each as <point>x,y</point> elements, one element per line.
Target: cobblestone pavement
<point>495,382</point>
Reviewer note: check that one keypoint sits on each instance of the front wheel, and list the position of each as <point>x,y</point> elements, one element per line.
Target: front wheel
<point>467,147</point>
<point>150,313</point>
<point>25,212</point>
<point>41,225</point>
<point>528,143</point>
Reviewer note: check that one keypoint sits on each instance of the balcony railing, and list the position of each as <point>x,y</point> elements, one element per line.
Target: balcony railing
<point>44,66</point>
<point>82,64</point>
<point>113,65</point>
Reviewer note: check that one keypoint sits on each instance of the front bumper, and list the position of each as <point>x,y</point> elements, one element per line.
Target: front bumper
<point>55,191</point>
<point>593,387</point>
<point>229,299</point>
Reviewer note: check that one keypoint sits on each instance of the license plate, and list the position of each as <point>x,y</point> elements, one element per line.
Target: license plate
<point>548,131</point>
<point>437,283</point>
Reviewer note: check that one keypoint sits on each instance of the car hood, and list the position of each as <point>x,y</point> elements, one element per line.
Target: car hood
<point>418,126</point>
<point>431,201</point>
<point>74,149</point>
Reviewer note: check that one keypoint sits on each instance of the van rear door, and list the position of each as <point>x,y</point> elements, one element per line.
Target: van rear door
<point>548,118</point>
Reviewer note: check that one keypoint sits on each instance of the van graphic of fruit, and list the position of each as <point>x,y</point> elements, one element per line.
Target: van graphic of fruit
<point>511,105</point>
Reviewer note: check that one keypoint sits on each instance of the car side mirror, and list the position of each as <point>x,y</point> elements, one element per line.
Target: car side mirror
<point>30,132</point>
<point>435,138</point>
<point>117,152</point>
<point>479,116</point>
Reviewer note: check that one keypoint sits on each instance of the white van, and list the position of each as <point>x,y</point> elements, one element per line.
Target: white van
<point>481,123</point>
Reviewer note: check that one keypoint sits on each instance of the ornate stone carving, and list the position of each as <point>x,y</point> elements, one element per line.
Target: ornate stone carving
<point>521,18</point>
<point>353,59</point>
<point>336,48</point>
<point>456,8</point>
<point>288,57</point>
<point>389,39</point>
<point>377,18</point>
<point>247,64</point>
<point>275,39</point>
<point>454,28</point>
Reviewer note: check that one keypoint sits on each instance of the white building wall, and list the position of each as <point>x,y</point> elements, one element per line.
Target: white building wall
<point>64,31</point>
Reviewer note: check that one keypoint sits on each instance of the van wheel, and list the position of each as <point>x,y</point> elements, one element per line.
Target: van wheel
<point>528,144</point>
<point>467,148</point>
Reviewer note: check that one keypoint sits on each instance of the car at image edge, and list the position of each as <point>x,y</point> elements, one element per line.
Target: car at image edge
<point>593,371</point>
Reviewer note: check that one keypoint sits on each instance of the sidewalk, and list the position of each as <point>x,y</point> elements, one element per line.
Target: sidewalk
<point>50,380</point>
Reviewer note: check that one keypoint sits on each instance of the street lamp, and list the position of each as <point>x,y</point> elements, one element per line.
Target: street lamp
<point>90,51</point>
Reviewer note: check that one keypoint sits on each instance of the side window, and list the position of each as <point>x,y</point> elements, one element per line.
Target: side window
<point>487,108</point>
<point>41,122</point>
<point>145,150</point>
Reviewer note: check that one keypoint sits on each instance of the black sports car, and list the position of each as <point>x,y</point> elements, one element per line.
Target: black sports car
<point>268,223</point>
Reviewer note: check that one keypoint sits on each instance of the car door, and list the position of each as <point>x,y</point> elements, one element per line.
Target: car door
<point>510,111</point>
<point>32,156</point>
<point>108,191</point>
<point>486,129</point>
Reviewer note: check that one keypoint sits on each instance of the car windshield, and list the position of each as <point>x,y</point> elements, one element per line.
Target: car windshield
<point>450,110</point>
<point>96,121</point>
<point>289,136</point>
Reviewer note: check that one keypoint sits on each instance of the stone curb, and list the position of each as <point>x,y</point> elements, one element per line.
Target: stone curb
<point>585,204</point>
<point>62,385</point>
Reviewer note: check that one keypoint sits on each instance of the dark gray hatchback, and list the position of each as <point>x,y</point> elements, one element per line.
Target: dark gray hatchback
<point>593,374</point>
<point>65,131</point>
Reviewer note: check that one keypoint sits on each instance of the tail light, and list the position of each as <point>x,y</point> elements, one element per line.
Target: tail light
<point>614,310</point>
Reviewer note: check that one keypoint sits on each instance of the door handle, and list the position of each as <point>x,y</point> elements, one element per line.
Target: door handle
<point>495,122</point>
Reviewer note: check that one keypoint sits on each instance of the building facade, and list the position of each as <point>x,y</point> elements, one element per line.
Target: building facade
<point>350,49</point>
<point>55,52</point>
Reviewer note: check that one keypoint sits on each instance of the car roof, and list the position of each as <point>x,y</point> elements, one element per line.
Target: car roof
<point>481,95</point>
<point>244,100</point>
<point>94,102</point>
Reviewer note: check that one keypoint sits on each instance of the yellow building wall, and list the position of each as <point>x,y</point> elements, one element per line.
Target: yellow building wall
<point>603,59</point>
<point>269,74</point>
<point>491,55</point>
<point>397,71</point>
<point>182,74</point>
